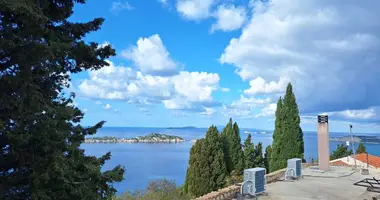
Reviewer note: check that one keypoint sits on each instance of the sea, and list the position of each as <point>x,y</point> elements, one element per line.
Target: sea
<point>147,162</point>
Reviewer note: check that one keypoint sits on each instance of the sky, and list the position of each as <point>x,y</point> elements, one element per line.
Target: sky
<point>200,62</point>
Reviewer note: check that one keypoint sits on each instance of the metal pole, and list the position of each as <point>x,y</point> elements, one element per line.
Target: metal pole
<point>352,142</point>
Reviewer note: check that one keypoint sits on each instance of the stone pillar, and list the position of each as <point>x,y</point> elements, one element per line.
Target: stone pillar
<point>323,142</point>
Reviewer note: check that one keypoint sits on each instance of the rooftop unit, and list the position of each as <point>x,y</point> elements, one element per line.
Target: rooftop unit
<point>294,168</point>
<point>254,181</point>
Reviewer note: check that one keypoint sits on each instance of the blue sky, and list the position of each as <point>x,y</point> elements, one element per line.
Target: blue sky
<point>200,62</point>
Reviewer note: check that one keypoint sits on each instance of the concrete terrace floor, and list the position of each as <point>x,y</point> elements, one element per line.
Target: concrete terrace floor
<point>334,185</point>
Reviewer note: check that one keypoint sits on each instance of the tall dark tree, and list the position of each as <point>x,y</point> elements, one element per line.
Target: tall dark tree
<point>288,136</point>
<point>40,135</point>
<point>207,170</point>
<point>267,156</point>
<point>232,147</point>
<point>361,148</point>
<point>249,153</point>
<point>198,171</point>
<point>259,158</point>
<point>340,152</point>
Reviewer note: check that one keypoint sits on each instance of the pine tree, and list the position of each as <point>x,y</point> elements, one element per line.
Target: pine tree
<point>259,159</point>
<point>249,153</point>
<point>233,151</point>
<point>288,137</point>
<point>340,152</point>
<point>267,156</point>
<point>40,135</point>
<point>207,169</point>
<point>361,148</point>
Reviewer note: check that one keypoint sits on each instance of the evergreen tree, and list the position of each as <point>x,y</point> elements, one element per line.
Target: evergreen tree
<point>361,148</point>
<point>40,135</point>
<point>198,171</point>
<point>232,148</point>
<point>340,152</point>
<point>288,137</point>
<point>249,153</point>
<point>207,169</point>
<point>259,159</point>
<point>267,156</point>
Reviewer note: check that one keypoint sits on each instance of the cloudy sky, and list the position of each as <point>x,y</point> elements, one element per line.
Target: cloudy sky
<point>199,62</point>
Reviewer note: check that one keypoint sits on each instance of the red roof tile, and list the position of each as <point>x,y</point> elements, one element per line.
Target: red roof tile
<point>372,160</point>
<point>339,163</point>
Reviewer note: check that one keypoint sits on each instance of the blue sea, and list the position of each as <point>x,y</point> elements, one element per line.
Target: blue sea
<point>147,162</point>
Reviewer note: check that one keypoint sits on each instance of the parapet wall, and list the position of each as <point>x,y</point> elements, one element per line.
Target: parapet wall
<point>230,191</point>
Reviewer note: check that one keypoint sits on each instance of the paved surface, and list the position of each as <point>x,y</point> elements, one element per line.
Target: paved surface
<point>334,172</point>
<point>322,188</point>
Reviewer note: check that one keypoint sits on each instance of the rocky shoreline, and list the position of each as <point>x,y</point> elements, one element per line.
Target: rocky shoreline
<point>358,139</point>
<point>151,138</point>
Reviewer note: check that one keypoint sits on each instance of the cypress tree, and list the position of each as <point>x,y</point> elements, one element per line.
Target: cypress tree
<point>249,153</point>
<point>40,135</point>
<point>237,150</point>
<point>232,148</point>
<point>207,169</point>
<point>198,171</point>
<point>288,137</point>
<point>361,148</point>
<point>259,159</point>
<point>276,162</point>
<point>267,156</point>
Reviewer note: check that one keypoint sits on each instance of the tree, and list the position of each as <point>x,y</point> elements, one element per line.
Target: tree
<point>207,169</point>
<point>361,148</point>
<point>232,148</point>
<point>288,137</point>
<point>267,156</point>
<point>259,159</point>
<point>40,135</point>
<point>340,152</point>
<point>249,153</point>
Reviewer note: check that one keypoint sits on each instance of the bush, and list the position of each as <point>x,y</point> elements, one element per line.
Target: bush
<point>156,190</point>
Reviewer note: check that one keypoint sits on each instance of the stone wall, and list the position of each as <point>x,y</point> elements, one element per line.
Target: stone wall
<point>229,192</point>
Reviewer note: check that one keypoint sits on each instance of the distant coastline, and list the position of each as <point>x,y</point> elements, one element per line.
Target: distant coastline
<point>358,139</point>
<point>183,127</point>
<point>151,138</point>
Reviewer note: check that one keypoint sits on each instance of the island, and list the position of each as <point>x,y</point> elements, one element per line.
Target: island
<point>151,138</point>
<point>183,127</point>
<point>358,139</point>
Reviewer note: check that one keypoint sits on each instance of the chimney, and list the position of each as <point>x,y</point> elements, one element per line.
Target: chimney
<point>323,143</point>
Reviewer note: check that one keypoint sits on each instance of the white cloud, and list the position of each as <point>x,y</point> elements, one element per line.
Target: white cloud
<point>107,106</point>
<point>208,112</point>
<point>194,9</point>
<point>258,85</point>
<point>229,17</point>
<point>98,102</point>
<point>116,7</point>
<point>183,90</point>
<point>268,110</point>
<point>224,89</point>
<point>354,114</point>
<point>104,44</point>
<point>245,107</point>
<point>327,49</point>
<point>163,1</point>
<point>150,56</point>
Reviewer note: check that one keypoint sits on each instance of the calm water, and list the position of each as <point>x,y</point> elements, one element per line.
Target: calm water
<point>146,162</point>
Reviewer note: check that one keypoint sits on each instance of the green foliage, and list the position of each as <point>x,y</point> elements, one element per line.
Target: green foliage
<point>249,153</point>
<point>207,170</point>
<point>156,190</point>
<point>287,137</point>
<point>40,135</point>
<point>259,158</point>
<point>340,152</point>
<point>232,148</point>
<point>361,148</point>
<point>267,156</point>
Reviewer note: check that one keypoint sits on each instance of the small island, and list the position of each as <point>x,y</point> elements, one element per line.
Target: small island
<point>151,138</point>
<point>358,139</point>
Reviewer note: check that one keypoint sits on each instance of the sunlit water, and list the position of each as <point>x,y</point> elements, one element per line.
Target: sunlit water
<point>146,162</point>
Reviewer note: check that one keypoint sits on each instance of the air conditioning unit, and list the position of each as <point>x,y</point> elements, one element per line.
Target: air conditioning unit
<point>294,167</point>
<point>254,181</point>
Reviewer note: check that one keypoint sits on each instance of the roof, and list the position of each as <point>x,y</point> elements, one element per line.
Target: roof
<point>372,160</point>
<point>339,163</point>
